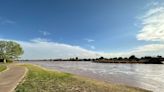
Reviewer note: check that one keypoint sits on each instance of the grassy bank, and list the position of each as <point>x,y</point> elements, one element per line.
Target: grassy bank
<point>2,67</point>
<point>41,80</point>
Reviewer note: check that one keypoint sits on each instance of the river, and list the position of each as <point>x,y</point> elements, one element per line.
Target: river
<point>147,76</point>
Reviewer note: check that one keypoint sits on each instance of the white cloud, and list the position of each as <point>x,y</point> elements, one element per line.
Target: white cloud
<point>89,40</point>
<point>46,49</point>
<point>40,49</point>
<point>149,50</point>
<point>152,25</point>
<point>154,11</point>
<point>146,50</point>
<point>45,33</point>
<point>152,30</point>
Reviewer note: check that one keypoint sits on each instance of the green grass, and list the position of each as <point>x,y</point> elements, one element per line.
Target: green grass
<point>2,67</point>
<point>42,80</point>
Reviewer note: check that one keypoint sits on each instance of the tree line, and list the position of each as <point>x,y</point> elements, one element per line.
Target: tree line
<point>131,59</point>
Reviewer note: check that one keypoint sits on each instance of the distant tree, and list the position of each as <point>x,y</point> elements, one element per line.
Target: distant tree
<point>10,50</point>
<point>115,58</point>
<point>132,57</point>
<point>89,59</point>
<point>120,58</point>
<point>111,59</point>
<point>101,58</point>
<point>72,59</point>
<point>159,56</point>
<point>142,58</point>
<point>76,58</point>
<point>147,57</point>
<point>93,59</point>
<point>154,61</point>
<point>125,58</point>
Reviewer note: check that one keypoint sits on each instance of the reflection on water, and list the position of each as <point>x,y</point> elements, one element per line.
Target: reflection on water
<point>147,76</point>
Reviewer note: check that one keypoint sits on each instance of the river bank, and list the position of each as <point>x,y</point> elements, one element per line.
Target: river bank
<point>147,76</point>
<point>39,79</point>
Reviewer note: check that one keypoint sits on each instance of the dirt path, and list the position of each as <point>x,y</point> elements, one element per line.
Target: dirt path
<point>10,78</point>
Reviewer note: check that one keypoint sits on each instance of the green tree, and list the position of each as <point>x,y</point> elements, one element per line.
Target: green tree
<point>10,50</point>
<point>132,57</point>
<point>101,58</point>
<point>77,58</point>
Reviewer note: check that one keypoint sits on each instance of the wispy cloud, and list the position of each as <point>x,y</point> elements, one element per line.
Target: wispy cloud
<point>44,33</point>
<point>89,40</point>
<point>152,29</point>
<point>6,21</point>
<point>40,40</point>
<point>153,24</point>
<point>152,4</point>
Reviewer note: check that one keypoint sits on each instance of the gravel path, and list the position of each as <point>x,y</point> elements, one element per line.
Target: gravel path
<point>11,77</point>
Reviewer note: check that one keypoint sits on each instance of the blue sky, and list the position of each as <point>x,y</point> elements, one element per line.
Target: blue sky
<point>104,27</point>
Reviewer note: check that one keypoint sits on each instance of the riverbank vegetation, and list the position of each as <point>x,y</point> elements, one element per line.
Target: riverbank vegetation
<point>42,80</point>
<point>132,59</point>
<point>2,67</point>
